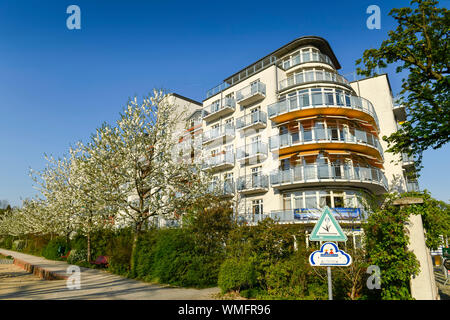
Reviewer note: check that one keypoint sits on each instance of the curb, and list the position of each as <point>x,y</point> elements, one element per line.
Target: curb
<point>39,271</point>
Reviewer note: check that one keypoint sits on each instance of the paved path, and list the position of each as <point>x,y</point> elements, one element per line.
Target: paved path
<point>15,283</point>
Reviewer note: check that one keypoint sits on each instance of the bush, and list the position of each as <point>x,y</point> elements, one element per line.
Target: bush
<point>172,256</point>
<point>76,256</point>
<point>6,242</point>
<point>236,274</point>
<point>55,249</point>
<point>18,245</point>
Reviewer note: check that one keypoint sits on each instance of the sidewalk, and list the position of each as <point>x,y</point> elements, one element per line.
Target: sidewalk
<point>95,284</point>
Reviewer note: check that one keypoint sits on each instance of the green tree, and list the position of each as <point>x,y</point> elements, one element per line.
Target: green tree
<point>420,46</point>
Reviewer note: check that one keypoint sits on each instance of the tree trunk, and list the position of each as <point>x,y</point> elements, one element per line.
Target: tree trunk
<point>137,232</point>
<point>89,246</point>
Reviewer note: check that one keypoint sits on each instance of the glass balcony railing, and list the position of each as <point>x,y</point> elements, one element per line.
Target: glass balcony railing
<point>225,188</point>
<point>412,186</point>
<point>219,106</point>
<point>311,215</point>
<point>255,89</point>
<point>407,159</point>
<point>311,76</point>
<point>322,135</point>
<point>322,99</point>
<point>253,182</point>
<point>252,119</point>
<point>251,150</point>
<point>218,132</point>
<point>316,172</point>
<point>304,57</point>
<point>220,160</point>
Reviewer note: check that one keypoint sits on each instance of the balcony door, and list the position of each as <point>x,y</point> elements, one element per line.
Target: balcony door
<point>254,115</point>
<point>256,177</point>
<point>254,87</point>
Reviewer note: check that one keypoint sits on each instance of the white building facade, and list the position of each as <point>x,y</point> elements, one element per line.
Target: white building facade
<point>288,135</point>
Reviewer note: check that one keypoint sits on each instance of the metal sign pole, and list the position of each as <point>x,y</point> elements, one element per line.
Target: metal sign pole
<point>330,285</point>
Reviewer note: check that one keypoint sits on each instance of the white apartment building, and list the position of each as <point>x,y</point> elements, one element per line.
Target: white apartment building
<point>288,135</point>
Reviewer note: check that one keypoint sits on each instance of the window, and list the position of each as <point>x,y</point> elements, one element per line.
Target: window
<point>324,199</point>
<point>304,98</point>
<point>329,97</point>
<point>287,201</point>
<point>257,206</point>
<point>293,101</point>
<point>310,199</point>
<point>339,98</point>
<point>316,95</point>
<point>309,76</point>
<point>338,198</point>
<point>306,55</point>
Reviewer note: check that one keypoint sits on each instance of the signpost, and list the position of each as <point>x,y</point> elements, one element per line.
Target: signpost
<point>328,229</point>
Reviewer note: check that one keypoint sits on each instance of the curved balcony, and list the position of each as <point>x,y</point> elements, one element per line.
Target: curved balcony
<point>251,153</point>
<point>305,57</point>
<point>320,138</point>
<point>250,94</point>
<point>312,76</point>
<point>320,102</point>
<point>370,178</point>
<point>250,184</point>
<point>255,120</point>
<point>219,108</point>
<point>221,161</point>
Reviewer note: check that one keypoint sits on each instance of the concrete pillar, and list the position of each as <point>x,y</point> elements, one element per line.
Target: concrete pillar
<point>423,285</point>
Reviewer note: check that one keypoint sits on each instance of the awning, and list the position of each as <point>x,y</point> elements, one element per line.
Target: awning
<point>285,156</point>
<point>309,153</point>
<point>337,152</point>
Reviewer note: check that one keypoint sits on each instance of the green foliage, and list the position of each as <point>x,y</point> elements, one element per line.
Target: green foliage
<point>387,247</point>
<point>420,45</point>
<point>435,217</point>
<point>18,245</point>
<point>237,274</point>
<point>55,249</point>
<point>76,256</point>
<point>172,256</point>
<point>6,242</point>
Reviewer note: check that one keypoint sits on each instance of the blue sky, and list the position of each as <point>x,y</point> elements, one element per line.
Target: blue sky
<point>57,85</point>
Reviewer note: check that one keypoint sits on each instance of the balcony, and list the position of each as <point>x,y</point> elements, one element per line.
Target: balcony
<point>219,134</point>
<point>407,160</point>
<point>254,183</point>
<point>251,94</point>
<point>252,153</point>
<point>412,186</point>
<point>312,215</point>
<point>321,138</point>
<point>222,188</point>
<point>305,57</point>
<point>310,77</point>
<point>321,102</point>
<point>221,161</point>
<point>219,108</point>
<point>370,178</point>
<point>256,120</point>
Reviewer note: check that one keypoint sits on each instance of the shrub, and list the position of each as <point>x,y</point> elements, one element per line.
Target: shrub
<point>55,249</point>
<point>144,255</point>
<point>76,256</point>
<point>236,274</point>
<point>172,256</point>
<point>18,245</point>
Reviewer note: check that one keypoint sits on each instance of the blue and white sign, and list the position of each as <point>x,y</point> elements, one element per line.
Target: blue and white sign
<point>329,255</point>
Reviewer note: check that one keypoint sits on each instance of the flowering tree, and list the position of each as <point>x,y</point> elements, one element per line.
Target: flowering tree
<point>138,166</point>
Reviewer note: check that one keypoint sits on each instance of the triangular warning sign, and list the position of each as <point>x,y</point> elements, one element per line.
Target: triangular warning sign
<point>327,228</point>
